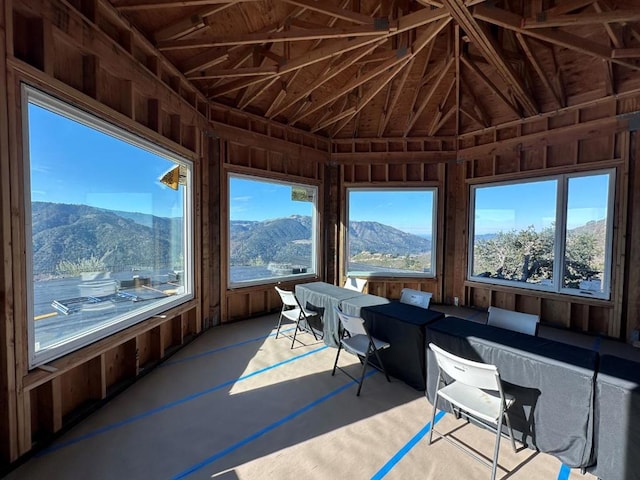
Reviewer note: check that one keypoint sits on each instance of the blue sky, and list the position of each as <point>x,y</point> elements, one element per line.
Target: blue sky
<point>260,200</point>
<point>517,206</point>
<point>409,211</point>
<point>72,163</point>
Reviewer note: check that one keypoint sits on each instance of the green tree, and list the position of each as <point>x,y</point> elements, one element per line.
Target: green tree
<point>524,255</point>
<point>527,256</point>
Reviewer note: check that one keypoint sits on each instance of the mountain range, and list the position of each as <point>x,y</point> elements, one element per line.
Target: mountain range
<point>124,240</point>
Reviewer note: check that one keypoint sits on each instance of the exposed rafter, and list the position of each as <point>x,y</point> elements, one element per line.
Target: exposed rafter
<point>492,53</point>
<point>351,68</point>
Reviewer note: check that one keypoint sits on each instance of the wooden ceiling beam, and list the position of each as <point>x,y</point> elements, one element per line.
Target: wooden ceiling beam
<point>479,110</point>
<point>445,118</point>
<point>270,70</point>
<point>199,20</point>
<point>403,55</point>
<point>537,66</point>
<point>480,74</point>
<point>444,70</point>
<point>511,21</point>
<point>125,5</point>
<point>443,103</point>
<point>615,40</point>
<point>567,7</point>
<point>190,24</point>
<point>372,92</point>
<point>234,86</point>
<point>322,79</point>
<point>353,83</point>
<point>331,10</point>
<point>589,18</point>
<point>424,77</point>
<point>492,52</point>
<point>385,115</point>
<point>272,37</point>
<point>593,128</point>
<point>625,53</point>
<point>204,60</point>
<point>420,18</point>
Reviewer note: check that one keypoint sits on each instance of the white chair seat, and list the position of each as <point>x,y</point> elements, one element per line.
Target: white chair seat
<point>359,344</point>
<point>295,313</point>
<point>479,403</point>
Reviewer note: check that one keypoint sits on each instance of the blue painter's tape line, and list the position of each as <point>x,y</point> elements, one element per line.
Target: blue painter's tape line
<point>169,405</point>
<point>221,349</point>
<point>263,431</point>
<point>564,472</point>
<point>404,450</point>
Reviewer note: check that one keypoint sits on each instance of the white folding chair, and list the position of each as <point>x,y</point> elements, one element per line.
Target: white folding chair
<point>516,321</point>
<point>475,392</point>
<point>357,340</point>
<point>293,311</point>
<point>356,284</point>
<point>415,297</point>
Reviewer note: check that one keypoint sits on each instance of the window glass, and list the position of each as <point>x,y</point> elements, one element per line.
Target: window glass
<point>514,232</point>
<point>552,234</point>
<point>272,230</point>
<point>586,236</point>
<point>108,224</point>
<point>391,232</point>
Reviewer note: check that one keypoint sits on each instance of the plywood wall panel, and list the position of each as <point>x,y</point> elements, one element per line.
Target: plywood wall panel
<point>120,364</point>
<point>506,164</point>
<point>563,155</point>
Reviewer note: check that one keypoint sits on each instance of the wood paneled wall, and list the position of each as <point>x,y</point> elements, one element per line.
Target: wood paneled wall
<point>85,54</point>
<point>266,152</point>
<point>593,137</point>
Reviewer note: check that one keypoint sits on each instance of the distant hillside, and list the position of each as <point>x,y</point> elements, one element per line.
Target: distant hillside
<point>123,240</point>
<point>287,240</point>
<point>375,237</point>
<point>597,228</point>
<point>74,232</point>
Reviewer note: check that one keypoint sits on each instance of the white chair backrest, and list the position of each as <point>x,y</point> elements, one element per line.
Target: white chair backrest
<point>353,325</point>
<point>415,297</point>
<point>356,284</point>
<point>288,298</point>
<point>510,320</point>
<point>476,374</point>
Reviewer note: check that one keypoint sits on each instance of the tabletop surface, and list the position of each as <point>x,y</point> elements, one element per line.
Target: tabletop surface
<point>402,311</point>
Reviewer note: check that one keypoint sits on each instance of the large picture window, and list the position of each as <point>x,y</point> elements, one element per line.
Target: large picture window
<point>392,232</point>
<point>550,234</point>
<point>108,223</point>
<point>272,230</point>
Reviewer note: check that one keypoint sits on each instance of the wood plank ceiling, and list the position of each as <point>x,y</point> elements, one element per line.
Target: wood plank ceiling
<point>396,68</point>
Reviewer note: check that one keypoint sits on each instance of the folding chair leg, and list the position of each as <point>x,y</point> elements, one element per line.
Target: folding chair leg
<point>278,327</point>
<point>335,364</point>
<point>496,449</point>
<point>295,332</point>
<point>364,368</point>
<point>313,332</point>
<point>433,411</point>
<point>513,442</point>
<point>382,365</point>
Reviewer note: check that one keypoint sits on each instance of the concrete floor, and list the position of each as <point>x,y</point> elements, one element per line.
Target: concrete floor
<point>238,404</point>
